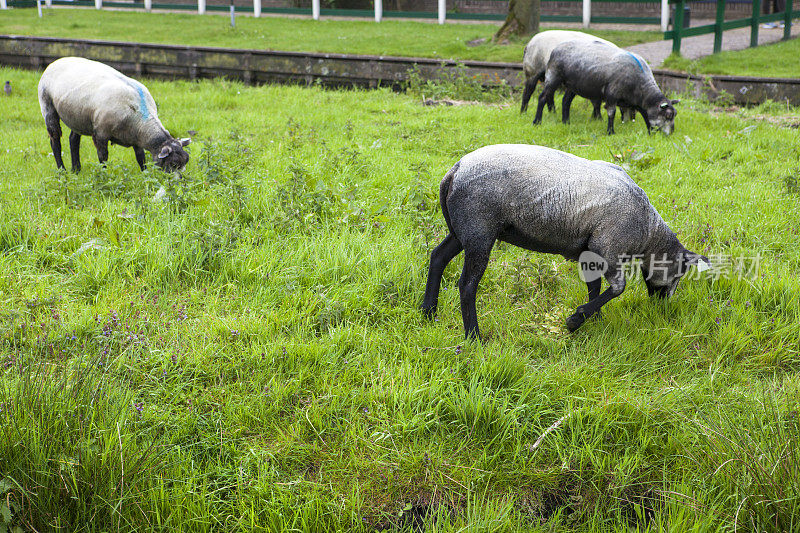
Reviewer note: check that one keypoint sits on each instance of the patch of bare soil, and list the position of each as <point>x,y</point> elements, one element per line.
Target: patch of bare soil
<point>448,102</point>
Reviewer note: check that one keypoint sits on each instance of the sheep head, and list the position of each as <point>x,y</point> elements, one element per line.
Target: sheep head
<point>171,156</point>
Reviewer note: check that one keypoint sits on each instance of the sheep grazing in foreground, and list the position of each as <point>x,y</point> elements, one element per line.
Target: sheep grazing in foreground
<point>597,71</point>
<point>534,65</point>
<point>549,201</point>
<point>96,100</point>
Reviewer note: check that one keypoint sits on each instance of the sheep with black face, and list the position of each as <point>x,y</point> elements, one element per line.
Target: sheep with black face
<point>549,201</point>
<point>597,71</point>
<point>98,101</point>
<point>537,55</point>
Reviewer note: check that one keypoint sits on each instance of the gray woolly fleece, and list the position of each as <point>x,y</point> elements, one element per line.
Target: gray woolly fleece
<point>550,201</point>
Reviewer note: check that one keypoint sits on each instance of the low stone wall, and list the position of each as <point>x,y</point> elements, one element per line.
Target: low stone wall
<point>262,66</point>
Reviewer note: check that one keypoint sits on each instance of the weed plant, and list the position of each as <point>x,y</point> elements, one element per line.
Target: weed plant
<point>457,85</point>
<point>239,347</point>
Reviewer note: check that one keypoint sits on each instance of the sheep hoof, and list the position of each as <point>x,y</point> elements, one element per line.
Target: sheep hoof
<point>429,312</point>
<point>474,336</point>
<point>575,321</point>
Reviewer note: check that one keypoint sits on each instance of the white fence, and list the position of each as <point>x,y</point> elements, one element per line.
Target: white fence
<point>442,10</point>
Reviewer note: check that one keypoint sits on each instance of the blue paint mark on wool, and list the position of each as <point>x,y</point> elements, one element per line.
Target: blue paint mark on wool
<point>143,104</point>
<point>637,61</point>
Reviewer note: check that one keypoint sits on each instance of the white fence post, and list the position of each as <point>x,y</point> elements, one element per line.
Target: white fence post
<point>201,7</point>
<point>3,4</point>
<point>315,9</point>
<point>664,15</point>
<point>148,5</point>
<point>378,10</point>
<point>587,13</point>
<point>98,4</point>
<point>48,3</point>
<point>442,10</point>
<point>256,8</point>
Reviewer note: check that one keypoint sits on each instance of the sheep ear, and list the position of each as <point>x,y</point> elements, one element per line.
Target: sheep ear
<point>701,261</point>
<point>165,151</point>
<point>673,102</point>
<point>185,141</point>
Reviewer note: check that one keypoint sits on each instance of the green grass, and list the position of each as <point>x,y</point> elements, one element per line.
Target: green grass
<point>779,60</point>
<point>247,353</point>
<point>390,37</point>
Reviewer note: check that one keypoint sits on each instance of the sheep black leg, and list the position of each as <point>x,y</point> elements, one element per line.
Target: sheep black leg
<point>566,102</point>
<point>139,157</point>
<point>616,280</point>
<point>530,86</point>
<point>596,109</point>
<point>550,86</point>
<point>475,263</point>
<point>611,109</point>
<point>102,149</point>
<point>551,104</point>
<point>594,288</point>
<point>53,123</point>
<point>646,122</point>
<point>540,107</point>
<point>75,151</point>
<point>440,257</point>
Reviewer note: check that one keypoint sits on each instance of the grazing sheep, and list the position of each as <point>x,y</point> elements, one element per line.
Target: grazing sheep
<point>534,65</point>
<point>598,72</point>
<point>549,201</point>
<point>537,54</point>
<point>96,100</point>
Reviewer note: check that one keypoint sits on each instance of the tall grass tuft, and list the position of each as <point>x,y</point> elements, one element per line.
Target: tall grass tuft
<point>74,452</point>
<point>753,466</point>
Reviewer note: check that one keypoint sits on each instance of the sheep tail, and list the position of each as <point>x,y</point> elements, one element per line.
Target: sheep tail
<point>444,192</point>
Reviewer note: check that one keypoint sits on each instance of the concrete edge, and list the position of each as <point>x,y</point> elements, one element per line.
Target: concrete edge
<point>333,69</point>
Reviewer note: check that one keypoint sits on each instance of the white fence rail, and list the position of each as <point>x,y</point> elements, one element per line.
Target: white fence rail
<point>315,10</point>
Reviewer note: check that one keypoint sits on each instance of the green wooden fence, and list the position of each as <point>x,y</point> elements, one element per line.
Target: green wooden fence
<point>720,24</point>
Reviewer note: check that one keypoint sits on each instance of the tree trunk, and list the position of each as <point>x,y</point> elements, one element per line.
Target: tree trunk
<point>522,19</point>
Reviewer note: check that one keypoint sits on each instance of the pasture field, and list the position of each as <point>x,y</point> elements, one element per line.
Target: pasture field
<point>778,60</point>
<point>243,351</point>
<point>390,37</point>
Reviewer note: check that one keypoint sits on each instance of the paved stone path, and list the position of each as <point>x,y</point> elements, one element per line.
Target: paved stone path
<point>702,45</point>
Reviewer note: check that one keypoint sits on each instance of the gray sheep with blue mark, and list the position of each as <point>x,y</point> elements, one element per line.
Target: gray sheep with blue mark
<point>597,71</point>
<point>95,100</point>
<point>550,201</point>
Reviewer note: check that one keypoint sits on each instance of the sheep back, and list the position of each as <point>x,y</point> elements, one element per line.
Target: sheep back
<point>591,69</point>
<point>94,98</point>
<point>538,50</point>
<point>548,201</point>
